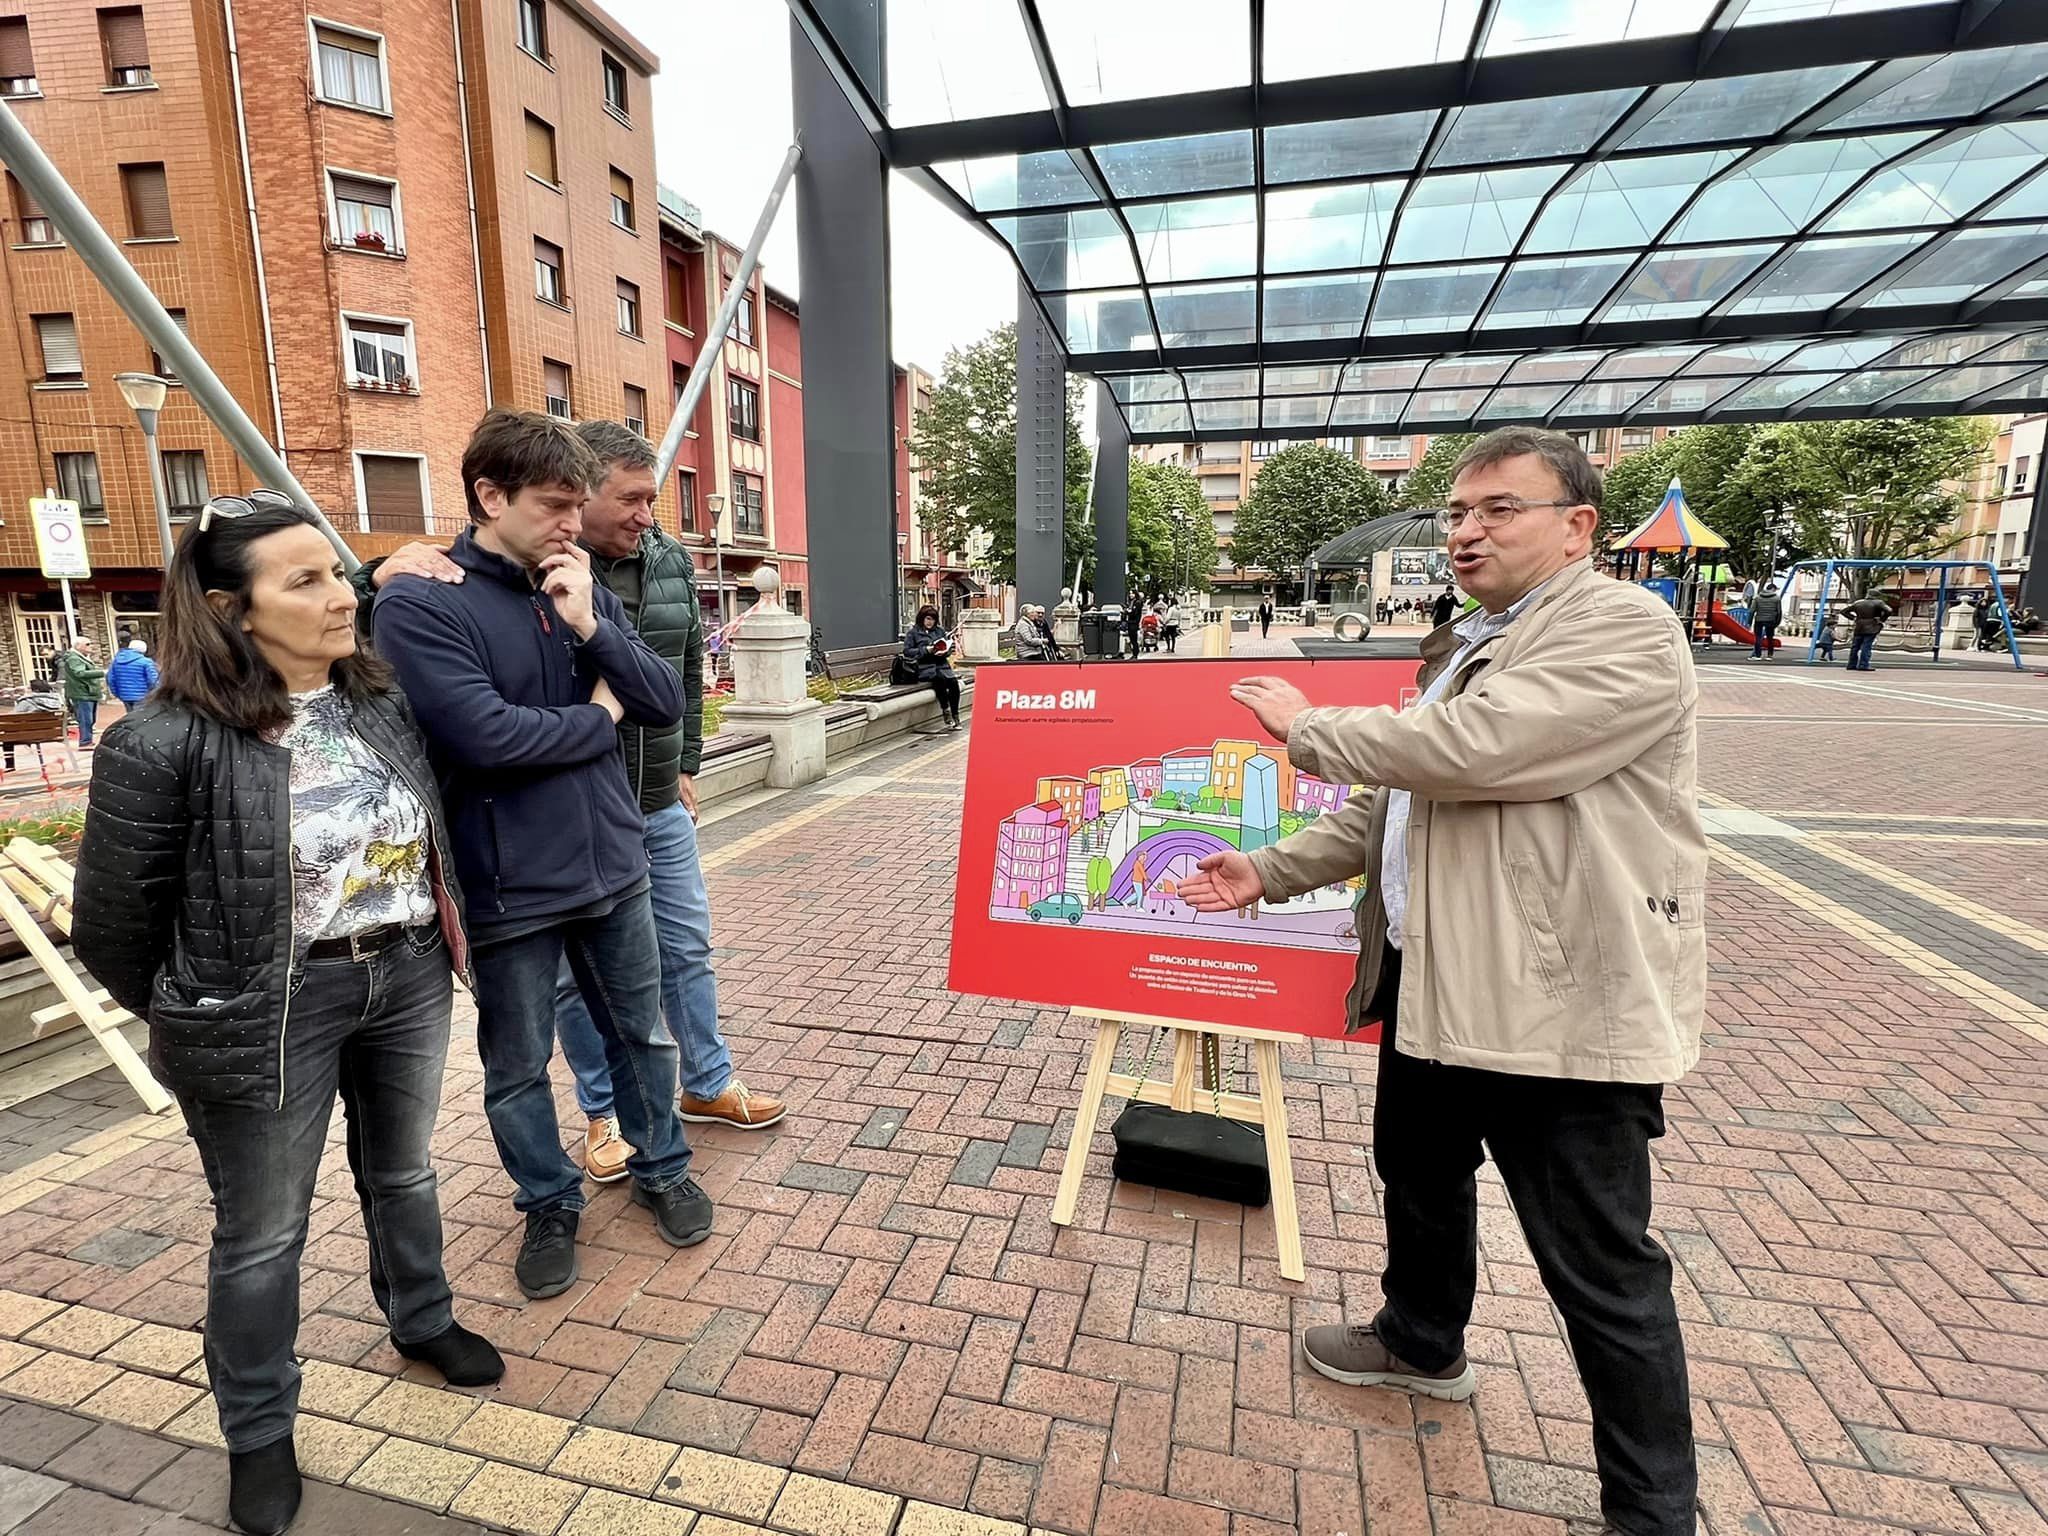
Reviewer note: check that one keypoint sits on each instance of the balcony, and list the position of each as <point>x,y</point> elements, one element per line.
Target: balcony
<point>404,384</point>
<point>370,243</point>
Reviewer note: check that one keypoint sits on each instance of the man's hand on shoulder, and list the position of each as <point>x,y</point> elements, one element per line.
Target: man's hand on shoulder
<point>417,559</point>
<point>566,578</point>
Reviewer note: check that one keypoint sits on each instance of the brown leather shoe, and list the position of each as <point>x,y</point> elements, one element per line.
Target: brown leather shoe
<point>1356,1357</point>
<point>604,1153</point>
<point>736,1107</point>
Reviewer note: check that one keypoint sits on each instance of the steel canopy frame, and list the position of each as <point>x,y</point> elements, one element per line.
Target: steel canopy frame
<point>1827,569</point>
<point>1657,70</point>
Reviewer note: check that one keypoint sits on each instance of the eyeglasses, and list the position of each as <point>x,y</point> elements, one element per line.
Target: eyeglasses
<point>231,507</point>
<point>1494,512</point>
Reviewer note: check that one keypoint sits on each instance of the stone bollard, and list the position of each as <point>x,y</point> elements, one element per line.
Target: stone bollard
<point>769,646</point>
<point>1216,635</point>
<point>1066,623</point>
<point>980,630</point>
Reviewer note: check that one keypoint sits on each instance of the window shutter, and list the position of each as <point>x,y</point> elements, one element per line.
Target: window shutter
<point>394,497</point>
<point>126,42</point>
<point>149,201</point>
<point>25,202</point>
<point>17,58</point>
<point>376,194</point>
<point>557,380</point>
<point>59,336</point>
<point>622,189</point>
<point>540,149</point>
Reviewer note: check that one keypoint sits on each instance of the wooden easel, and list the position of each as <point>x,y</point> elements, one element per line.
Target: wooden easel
<point>1268,1111</point>
<point>36,883</point>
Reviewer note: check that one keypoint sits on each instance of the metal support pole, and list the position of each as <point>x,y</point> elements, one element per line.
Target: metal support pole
<point>82,232</point>
<point>1940,611</point>
<point>157,488</point>
<point>70,613</point>
<point>714,339</point>
<point>1820,611</point>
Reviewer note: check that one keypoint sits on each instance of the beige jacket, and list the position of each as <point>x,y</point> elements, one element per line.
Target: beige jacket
<point>1556,862</point>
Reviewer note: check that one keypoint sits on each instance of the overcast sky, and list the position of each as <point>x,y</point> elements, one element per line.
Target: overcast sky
<point>721,127</point>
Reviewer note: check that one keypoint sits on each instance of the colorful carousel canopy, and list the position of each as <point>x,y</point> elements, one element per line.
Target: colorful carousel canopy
<point>1671,526</point>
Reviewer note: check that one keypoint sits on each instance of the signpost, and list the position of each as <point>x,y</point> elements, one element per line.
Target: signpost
<point>60,548</point>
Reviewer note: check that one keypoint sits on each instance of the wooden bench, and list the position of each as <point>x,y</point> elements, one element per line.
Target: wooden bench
<point>36,888</point>
<point>38,728</point>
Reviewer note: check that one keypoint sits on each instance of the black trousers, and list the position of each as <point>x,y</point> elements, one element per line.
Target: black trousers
<point>1575,1157</point>
<point>948,690</point>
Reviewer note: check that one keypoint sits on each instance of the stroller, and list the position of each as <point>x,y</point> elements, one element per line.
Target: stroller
<point>1148,631</point>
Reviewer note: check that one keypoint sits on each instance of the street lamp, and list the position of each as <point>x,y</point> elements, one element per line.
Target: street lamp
<point>902,575</point>
<point>715,505</point>
<point>145,393</point>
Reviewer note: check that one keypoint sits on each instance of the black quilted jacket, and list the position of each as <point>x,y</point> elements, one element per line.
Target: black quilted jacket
<point>183,906</point>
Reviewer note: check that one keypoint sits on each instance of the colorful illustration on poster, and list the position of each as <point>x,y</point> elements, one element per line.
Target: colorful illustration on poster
<point>1422,568</point>
<point>1106,847</point>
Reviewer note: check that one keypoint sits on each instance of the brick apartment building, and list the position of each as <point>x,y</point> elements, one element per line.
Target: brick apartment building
<point>1997,525</point>
<point>298,191</point>
<point>927,572</point>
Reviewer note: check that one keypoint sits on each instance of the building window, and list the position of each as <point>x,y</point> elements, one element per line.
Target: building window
<point>743,320</point>
<point>636,409</point>
<point>380,353</point>
<point>555,381</point>
<point>157,365</point>
<point>59,337</point>
<point>614,85</point>
<point>1633,439</point>
<point>746,507</point>
<point>1265,448</point>
<point>366,214</point>
<point>533,28</point>
<point>125,46</point>
<point>1348,446</point>
<point>547,273</point>
<point>185,481</point>
<point>686,498</point>
<point>17,58</point>
<point>148,196</point>
<point>349,68</point>
<point>540,151</point>
<point>743,403</point>
<point>1587,438</point>
<point>393,493</point>
<point>675,293</point>
<point>1387,448</point>
<point>2020,466</point>
<point>629,307</point>
<point>36,228</point>
<point>78,479</point>
<point>622,199</point>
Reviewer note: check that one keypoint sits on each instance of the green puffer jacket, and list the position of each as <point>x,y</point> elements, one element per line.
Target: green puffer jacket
<point>658,585</point>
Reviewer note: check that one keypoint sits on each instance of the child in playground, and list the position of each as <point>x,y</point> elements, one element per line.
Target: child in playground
<point>1826,624</point>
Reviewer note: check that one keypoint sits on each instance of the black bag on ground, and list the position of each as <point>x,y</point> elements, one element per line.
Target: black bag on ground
<point>1195,1153</point>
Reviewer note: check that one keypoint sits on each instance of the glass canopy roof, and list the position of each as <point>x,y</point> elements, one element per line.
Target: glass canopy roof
<point>1292,217</point>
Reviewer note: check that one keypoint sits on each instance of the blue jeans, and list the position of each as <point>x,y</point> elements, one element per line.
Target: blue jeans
<point>689,992</point>
<point>618,967</point>
<point>1766,637</point>
<point>87,711</point>
<point>376,1029</point>
<point>1860,648</point>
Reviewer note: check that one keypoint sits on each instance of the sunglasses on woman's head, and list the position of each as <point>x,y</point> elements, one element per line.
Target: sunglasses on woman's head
<point>231,507</point>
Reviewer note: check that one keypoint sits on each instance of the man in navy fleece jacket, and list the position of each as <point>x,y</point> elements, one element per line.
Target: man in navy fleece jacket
<point>520,672</point>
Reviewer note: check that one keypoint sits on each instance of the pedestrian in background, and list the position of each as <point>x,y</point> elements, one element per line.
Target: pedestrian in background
<point>83,685</point>
<point>1764,617</point>
<point>1265,617</point>
<point>131,674</point>
<point>1532,942</point>
<point>264,836</point>
<point>1441,610</point>
<point>925,652</point>
<point>1867,616</point>
<point>1176,617</point>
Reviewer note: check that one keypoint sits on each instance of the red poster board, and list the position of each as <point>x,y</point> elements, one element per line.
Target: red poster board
<point>1091,790</point>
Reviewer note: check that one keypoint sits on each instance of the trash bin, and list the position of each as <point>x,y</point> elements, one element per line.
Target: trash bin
<point>1093,625</point>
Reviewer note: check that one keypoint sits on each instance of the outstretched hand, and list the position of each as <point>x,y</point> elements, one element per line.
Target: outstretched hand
<point>1273,700</point>
<point>1223,882</point>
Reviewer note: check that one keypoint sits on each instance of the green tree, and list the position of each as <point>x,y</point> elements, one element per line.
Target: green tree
<point>1765,500</point>
<point>1885,490</point>
<point>1305,496</point>
<point>967,443</point>
<point>1429,482</point>
<point>1166,800</point>
<point>1172,529</point>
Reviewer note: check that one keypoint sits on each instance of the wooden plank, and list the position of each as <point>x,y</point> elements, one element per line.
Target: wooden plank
<point>1235,1106</point>
<point>103,1026</point>
<point>1226,1031</point>
<point>1280,1162</point>
<point>45,863</point>
<point>43,1017</point>
<point>1090,1111</point>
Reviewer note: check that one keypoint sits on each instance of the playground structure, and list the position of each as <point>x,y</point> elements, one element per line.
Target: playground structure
<point>1943,568</point>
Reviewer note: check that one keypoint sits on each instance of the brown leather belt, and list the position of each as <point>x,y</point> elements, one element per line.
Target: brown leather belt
<point>361,946</point>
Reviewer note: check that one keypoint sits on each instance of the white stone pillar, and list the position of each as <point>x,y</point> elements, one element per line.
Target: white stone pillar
<point>769,647</point>
<point>980,633</point>
<point>1066,622</point>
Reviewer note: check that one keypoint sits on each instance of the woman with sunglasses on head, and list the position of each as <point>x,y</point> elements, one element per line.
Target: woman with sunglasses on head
<point>263,877</point>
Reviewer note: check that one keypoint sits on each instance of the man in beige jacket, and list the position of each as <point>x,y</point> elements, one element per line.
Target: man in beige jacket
<point>1532,940</point>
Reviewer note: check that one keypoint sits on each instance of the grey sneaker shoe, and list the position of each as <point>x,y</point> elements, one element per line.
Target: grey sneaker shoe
<point>1356,1357</point>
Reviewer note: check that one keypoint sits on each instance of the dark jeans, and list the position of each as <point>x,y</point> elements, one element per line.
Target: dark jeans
<point>948,690</point>
<point>1575,1157</point>
<point>377,1029</point>
<point>617,965</point>
<point>1766,638</point>
<point>1860,648</point>
<point>87,711</point>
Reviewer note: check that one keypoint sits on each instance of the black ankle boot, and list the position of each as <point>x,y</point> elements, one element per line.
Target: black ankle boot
<point>263,1487</point>
<point>465,1359</point>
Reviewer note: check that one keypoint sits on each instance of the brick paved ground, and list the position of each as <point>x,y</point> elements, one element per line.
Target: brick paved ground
<point>886,1334</point>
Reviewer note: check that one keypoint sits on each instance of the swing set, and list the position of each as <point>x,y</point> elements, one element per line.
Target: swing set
<point>1828,568</point>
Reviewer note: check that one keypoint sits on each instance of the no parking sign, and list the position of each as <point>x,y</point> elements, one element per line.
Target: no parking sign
<point>60,538</point>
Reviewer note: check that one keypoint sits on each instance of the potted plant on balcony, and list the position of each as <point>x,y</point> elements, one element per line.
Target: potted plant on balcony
<point>369,240</point>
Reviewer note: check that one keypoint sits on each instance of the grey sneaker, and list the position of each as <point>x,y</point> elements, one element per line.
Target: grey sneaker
<point>1356,1357</point>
